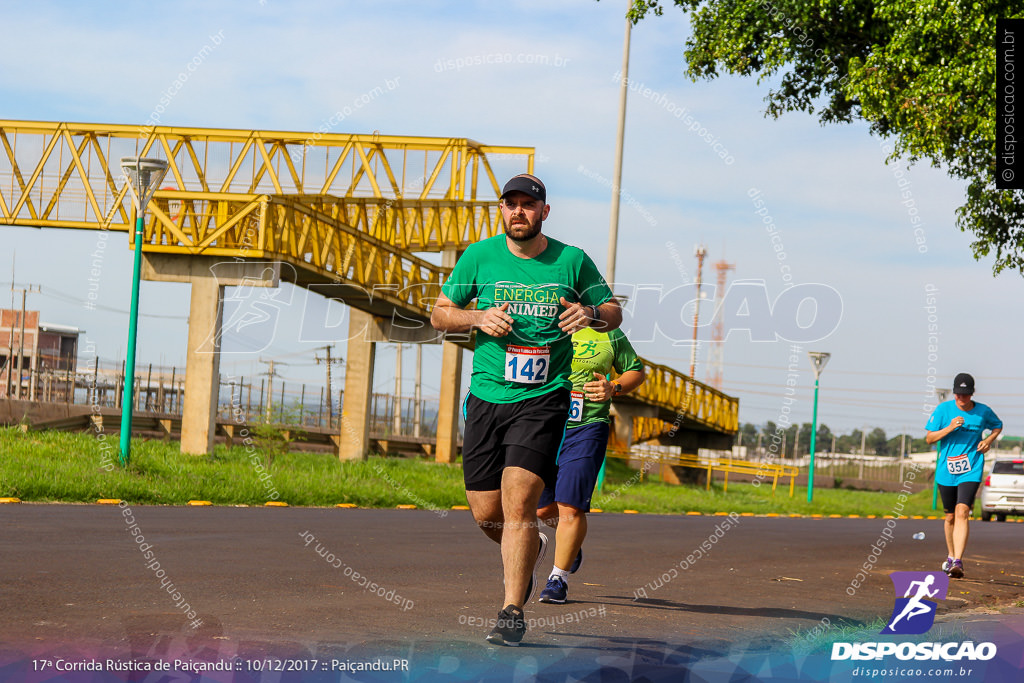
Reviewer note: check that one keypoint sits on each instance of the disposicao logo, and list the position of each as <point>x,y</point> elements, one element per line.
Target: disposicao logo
<point>914,613</point>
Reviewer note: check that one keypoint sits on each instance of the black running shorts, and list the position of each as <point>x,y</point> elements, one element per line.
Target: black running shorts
<point>963,493</point>
<point>525,434</point>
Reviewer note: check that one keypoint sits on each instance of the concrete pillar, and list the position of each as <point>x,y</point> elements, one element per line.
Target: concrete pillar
<point>202,374</point>
<point>448,411</point>
<point>208,275</point>
<point>355,412</point>
<point>621,436</point>
<point>451,386</point>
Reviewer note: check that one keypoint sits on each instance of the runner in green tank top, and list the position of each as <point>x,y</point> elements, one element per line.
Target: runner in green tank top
<point>565,506</point>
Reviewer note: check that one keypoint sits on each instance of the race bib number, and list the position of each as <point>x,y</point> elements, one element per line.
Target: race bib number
<point>576,407</point>
<point>527,364</point>
<point>958,464</point>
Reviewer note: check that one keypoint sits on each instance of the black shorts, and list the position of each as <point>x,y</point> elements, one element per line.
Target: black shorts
<point>963,493</point>
<point>525,434</point>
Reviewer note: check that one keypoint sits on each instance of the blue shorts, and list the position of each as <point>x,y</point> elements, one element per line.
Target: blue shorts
<point>579,461</point>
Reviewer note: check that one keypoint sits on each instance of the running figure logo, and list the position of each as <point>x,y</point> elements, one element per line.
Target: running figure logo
<point>913,613</point>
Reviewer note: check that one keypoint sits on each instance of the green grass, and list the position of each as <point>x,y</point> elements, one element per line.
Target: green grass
<point>54,466</point>
<point>57,466</point>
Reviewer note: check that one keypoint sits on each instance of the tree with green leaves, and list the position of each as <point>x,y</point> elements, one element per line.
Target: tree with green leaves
<point>748,434</point>
<point>878,442</point>
<point>920,73</point>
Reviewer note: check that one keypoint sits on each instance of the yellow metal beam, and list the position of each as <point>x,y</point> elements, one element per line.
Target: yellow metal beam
<point>683,401</point>
<point>72,178</point>
<point>343,209</point>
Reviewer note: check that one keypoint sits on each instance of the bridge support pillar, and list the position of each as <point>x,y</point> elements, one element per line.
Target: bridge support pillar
<point>621,438</point>
<point>202,370</point>
<point>448,410</point>
<point>451,388</point>
<point>208,276</point>
<point>355,412</point>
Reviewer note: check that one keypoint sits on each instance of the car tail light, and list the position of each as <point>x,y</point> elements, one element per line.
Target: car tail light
<point>988,480</point>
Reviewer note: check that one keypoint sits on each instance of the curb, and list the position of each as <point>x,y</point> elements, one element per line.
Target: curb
<point>691,513</point>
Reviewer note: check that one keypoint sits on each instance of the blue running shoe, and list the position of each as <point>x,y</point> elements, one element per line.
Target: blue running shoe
<point>577,563</point>
<point>555,591</point>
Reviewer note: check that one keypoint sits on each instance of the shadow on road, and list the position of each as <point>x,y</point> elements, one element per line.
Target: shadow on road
<point>765,612</point>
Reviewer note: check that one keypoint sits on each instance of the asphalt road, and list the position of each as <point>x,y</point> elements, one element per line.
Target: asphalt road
<point>260,586</point>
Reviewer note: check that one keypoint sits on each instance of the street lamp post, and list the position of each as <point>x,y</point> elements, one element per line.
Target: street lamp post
<point>940,394</point>
<point>613,228</point>
<point>144,177</point>
<point>818,360</point>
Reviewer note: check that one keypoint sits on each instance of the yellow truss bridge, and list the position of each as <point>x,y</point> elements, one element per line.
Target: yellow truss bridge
<point>347,212</point>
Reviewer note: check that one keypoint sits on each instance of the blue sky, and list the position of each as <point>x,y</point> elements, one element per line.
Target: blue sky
<point>836,207</point>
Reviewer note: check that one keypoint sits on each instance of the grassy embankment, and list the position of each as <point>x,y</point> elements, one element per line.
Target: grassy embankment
<point>55,466</point>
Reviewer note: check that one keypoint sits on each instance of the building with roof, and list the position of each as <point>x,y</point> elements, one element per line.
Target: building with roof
<point>36,357</point>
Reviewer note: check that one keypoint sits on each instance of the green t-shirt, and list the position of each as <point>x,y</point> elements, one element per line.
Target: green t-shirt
<point>592,352</point>
<point>535,357</point>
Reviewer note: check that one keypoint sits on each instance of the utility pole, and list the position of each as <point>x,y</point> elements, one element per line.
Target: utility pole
<point>270,383</point>
<point>397,405</point>
<point>10,342</point>
<point>700,252</point>
<point>417,419</point>
<point>328,361</point>
<point>21,340</point>
<point>613,229</point>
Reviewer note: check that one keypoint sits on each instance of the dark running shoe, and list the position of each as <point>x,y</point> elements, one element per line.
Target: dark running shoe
<point>956,570</point>
<point>577,563</point>
<point>947,564</point>
<point>510,627</point>
<point>533,577</point>
<point>556,591</point>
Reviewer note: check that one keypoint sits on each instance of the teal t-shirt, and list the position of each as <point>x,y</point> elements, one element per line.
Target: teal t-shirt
<point>959,459</point>
<point>535,357</point>
<point>594,351</point>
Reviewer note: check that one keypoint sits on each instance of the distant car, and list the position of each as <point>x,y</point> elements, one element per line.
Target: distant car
<point>1002,491</point>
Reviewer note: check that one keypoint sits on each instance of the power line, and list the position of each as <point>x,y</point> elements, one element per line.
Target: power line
<point>784,368</point>
<point>831,388</point>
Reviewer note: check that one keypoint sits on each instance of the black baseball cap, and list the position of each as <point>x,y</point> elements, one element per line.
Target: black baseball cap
<point>526,184</point>
<point>963,384</point>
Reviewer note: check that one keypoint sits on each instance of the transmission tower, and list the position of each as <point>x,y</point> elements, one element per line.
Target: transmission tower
<point>715,361</point>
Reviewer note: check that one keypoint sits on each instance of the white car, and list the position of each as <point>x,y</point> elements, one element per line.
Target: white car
<point>1002,491</point>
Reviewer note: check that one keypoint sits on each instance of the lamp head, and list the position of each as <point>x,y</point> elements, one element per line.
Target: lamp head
<point>819,359</point>
<point>144,176</point>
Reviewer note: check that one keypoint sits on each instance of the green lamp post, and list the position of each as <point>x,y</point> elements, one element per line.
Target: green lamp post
<point>143,176</point>
<point>818,360</point>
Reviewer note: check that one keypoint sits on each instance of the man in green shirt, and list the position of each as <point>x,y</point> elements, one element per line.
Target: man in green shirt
<point>532,293</point>
<point>565,507</point>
